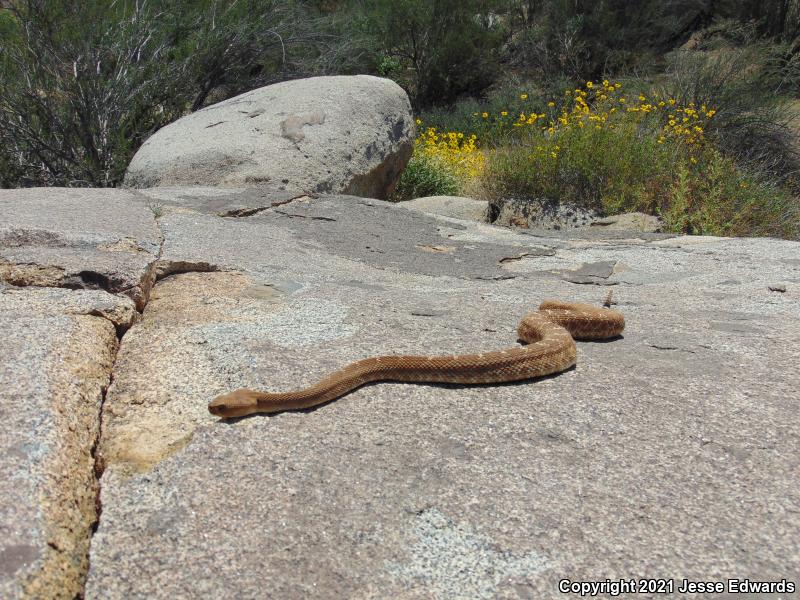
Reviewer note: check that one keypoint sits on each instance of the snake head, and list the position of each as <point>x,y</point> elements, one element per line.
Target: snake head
<point>236,404</point>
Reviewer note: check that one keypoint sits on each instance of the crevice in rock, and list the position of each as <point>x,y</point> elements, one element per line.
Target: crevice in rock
<point>147,282</point>
<point>249,211</point>
<point>33,275</point>
<point>165,268</point>
<point>531,253</point>
<point>89,280</point>
<point>675,348</point>
<point>298,216</point>
<point>243,212</point>
<point>500,277</point>
<point>119,327</point>
<point>99,466</point>
<point>588,280</point>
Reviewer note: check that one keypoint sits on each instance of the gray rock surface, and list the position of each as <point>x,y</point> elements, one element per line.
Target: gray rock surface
<point>669,452</point>
<point>456,207</point>
<point>56,353</point>
<point>445,491</point>
<point>78,238</point>
<point>349,134</point>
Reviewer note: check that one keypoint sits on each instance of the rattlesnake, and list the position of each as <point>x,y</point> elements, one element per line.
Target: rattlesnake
<point>550,349</point>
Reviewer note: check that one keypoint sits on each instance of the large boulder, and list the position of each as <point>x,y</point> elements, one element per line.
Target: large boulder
<point>323,134</point>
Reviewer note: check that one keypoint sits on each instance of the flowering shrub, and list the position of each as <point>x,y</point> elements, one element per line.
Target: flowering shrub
<point>455,151</point>
<point>602,148</point>
<point>442,164</point>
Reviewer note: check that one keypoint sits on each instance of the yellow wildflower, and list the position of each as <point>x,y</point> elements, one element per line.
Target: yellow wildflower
<point>523,96</point>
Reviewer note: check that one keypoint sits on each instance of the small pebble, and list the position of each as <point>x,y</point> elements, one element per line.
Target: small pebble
<point>777,287</point>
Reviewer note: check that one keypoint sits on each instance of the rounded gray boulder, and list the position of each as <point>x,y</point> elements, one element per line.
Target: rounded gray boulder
<point>343,134</point>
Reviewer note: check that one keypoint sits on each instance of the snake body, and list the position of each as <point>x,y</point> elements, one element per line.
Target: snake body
<point>549,334</point>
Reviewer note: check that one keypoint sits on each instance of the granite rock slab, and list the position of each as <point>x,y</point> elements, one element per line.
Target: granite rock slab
<point>56,353</point>
<point>669,451</point>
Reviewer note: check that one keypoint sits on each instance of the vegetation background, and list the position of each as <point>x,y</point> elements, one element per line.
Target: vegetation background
<point>83,84</point>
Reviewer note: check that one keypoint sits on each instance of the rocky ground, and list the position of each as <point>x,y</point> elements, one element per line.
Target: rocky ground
<point>671,452</point>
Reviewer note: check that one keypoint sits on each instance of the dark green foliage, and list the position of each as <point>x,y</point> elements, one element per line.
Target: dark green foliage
<point>584,40</point>
<point>85,83</point>
<point>425,176</point>
<point>436,49</point>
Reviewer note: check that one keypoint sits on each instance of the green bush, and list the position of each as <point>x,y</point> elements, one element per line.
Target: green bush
<point>722,200</point>
<point>426,176</point>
